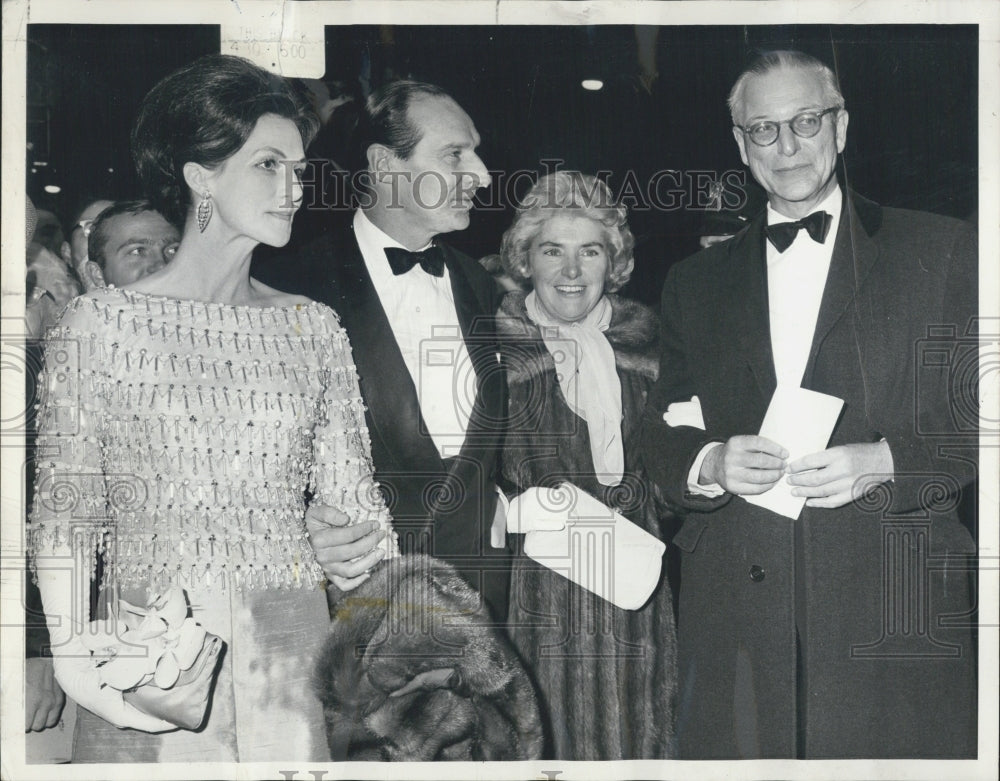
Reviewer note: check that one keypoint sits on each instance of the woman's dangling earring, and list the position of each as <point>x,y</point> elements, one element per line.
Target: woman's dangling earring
<point>204,212</point>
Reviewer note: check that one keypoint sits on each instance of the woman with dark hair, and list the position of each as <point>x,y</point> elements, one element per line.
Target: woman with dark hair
<point>184,417</point>
<point>590,611</point>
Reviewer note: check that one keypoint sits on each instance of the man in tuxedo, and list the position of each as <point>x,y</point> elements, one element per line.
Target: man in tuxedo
<point>420,316</point>
<point>845,631</point>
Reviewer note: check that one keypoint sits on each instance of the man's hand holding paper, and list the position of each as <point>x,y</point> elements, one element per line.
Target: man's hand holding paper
<point>803,421</point>
<point>745,464</point>
<point>833,477</point>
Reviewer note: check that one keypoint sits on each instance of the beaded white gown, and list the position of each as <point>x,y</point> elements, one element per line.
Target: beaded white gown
<point>179,438</point>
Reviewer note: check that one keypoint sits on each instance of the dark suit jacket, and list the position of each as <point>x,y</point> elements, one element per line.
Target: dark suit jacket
<point>445,509</point>
<point>845,633</point>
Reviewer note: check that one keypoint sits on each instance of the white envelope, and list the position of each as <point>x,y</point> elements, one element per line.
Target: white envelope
<point>597,549</point>
<point>802,422</point>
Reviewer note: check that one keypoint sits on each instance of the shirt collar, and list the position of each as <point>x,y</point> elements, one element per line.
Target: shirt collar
<point>370,235</point>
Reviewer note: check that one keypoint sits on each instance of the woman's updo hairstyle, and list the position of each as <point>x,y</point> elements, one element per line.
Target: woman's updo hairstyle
<point>203,113</point>
<point>575,194</point>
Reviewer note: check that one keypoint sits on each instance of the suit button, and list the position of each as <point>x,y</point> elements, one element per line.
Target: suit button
<point>756,573</point>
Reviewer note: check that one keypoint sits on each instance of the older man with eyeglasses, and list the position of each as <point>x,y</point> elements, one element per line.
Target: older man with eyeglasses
<point>824,566</point>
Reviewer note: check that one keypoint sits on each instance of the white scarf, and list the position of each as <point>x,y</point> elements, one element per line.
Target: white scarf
<point>598,398</point>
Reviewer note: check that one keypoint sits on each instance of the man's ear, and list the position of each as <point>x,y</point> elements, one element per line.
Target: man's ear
<point>378,157</point>
<point>842,118</point>
<point>741,142</point>
<point>66,253</point>
<point>93,275</point>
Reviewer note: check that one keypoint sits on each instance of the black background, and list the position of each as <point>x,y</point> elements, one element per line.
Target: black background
<point>911,91</point>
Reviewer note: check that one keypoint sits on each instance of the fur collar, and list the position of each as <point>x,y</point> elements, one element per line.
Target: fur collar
<point>633,334</point>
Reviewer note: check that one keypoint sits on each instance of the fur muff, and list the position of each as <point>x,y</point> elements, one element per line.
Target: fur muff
<point>415,615</point>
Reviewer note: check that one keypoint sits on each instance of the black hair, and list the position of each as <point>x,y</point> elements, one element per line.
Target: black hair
<point>203,113</point>
<point>98,239</point>
<point>386,121</point>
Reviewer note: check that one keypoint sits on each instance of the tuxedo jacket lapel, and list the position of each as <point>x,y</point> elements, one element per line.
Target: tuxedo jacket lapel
<point>854,255</point>
<point>466,307</point>
<point>396,425</point>
<point>479,330</point>
<point>750,287</point>
<point>394,417</point>
<point>439,508</point>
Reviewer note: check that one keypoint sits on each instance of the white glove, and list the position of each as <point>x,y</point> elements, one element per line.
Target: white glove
<point>542,509</point>
<point>596,548</point>
<point>72,662</point>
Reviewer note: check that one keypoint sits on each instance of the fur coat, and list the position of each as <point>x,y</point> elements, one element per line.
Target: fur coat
<point>606,676</point>
<point>415,625</point>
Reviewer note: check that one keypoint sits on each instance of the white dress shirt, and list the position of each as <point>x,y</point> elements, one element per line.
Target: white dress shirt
<point>795,282</point>
<point>796,279</point>
<point>421,312</point>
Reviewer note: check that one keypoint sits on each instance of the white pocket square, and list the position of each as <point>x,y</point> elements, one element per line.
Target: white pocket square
<point>685,413</point>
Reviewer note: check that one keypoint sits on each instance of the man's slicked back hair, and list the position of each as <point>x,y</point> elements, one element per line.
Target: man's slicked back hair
<point>386,120</point>
<point>768,61</point>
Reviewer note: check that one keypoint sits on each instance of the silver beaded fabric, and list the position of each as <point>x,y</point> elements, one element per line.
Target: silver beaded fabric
<point>179,437</point>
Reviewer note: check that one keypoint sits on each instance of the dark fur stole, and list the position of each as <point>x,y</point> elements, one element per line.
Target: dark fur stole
<point>633,334</point>
<point>413,615</point>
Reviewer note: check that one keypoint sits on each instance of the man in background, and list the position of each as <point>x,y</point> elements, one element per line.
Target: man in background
<point>127,241</point>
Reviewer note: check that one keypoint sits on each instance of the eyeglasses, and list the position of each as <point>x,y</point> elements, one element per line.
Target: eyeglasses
<point>86,226</point>
<point>804,125</point>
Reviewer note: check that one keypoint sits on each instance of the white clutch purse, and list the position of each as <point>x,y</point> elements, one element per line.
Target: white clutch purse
<point>573,534</point>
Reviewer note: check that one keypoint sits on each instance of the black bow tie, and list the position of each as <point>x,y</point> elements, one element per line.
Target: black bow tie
<point>782,234</point>
<point>402,260</point>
